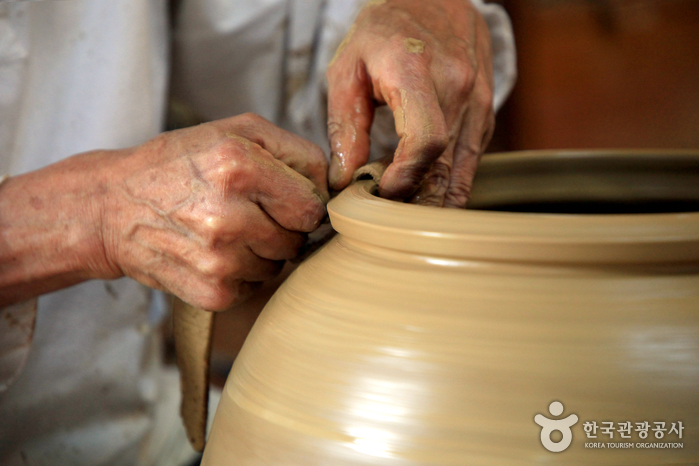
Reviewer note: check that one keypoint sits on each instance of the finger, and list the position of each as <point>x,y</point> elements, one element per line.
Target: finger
<point>210,283</point>
<point>424,136</point>
<point>303,156</point>
<point>260,270</point>
<point>288,197</point>
<point>219,299</point>
<point>219,277</point>
<point>269,240</point>
<point>350,115</point>
<point>238,221</point>
<point>475,135</point>
<point>213,259</point>
<point>434,186</point>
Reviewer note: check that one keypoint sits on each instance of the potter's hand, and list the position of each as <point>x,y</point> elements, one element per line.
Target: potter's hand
<point>209,211</point>
<point>431,63</point>
<point>203,212</point>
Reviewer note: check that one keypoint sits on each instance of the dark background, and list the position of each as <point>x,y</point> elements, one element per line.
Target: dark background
<point>603,74</point>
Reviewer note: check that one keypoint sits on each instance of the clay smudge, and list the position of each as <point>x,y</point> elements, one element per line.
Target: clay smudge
<point>245,142</point>
<point>399,116</point>
<point>374,3</point>
<point>414,45</point>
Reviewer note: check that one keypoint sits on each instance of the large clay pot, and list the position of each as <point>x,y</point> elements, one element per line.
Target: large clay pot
<point>434,336</point>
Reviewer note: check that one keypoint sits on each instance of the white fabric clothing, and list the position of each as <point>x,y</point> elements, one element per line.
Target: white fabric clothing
<point>78,75</point>
<point>270,57</point>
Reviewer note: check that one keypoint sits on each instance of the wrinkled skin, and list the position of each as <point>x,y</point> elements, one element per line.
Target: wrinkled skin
<point>430,62</point>
<point>213,210</point>
<point>206,213</point>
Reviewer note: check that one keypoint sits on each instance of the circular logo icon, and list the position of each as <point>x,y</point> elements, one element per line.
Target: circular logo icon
<point>548,426</point>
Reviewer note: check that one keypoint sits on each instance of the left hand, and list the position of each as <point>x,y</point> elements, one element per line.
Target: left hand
<point>431,63</point>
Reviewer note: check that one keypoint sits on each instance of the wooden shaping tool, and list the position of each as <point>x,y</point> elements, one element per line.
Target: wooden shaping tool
<point>193,329</point>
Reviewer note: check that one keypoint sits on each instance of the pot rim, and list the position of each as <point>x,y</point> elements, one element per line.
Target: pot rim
<point>513,236</point>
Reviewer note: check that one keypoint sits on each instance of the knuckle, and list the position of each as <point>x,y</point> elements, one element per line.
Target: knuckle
<point>459,192</point>
<point>214,266</point>
<point>310,215</point>
<point>435,184</point>
<point>334,127</point>
<point>230,148</point>
<point>439,174</point>
<point>471,150</point>
<point>484,98</point>
<point>212,238</point>
<point>462,75</point>
<point>213,228</point>
<point>237,170</point>
<point>252,119</point>
<point>433,144</point>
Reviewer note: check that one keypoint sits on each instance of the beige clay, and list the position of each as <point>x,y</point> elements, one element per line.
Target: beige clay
<point>414,45</point>
<point>433,336</point>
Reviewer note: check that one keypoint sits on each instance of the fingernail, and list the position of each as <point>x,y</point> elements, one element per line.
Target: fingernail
<point>323,197</point>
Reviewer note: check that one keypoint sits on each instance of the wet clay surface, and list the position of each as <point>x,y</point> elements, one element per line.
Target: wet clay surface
<point>432,336</point>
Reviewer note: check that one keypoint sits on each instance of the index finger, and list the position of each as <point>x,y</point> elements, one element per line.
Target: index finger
<point>301,155</point>
<point>423,133</point>
<point>291,199</point>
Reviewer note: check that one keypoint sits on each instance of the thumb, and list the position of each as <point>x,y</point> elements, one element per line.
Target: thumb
<point>350,114</point>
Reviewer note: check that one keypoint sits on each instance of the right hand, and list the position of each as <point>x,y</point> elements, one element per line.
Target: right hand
<point>208,212</point>
<point>431,63</point>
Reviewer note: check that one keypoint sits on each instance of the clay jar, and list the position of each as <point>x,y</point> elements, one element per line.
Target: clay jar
<point>434,336</point>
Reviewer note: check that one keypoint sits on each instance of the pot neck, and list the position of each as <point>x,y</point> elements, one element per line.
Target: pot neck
<point>483,235</point>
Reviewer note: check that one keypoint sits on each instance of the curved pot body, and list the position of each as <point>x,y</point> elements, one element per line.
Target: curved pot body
<point>432,336</point>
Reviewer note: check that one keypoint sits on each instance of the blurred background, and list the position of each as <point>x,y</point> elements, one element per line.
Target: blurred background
<point>592,74</point>
<point>603,74</point>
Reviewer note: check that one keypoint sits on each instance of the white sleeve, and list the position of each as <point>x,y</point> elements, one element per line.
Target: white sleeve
<point>504,53</point>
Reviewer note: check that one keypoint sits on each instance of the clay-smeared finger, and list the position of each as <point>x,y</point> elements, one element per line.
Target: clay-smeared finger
<point>423,135</point>
<point>436,182</point>
<point>269,240</point>
<point>475,135</point>
<point>350,115</point>
<point>289,198</point>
